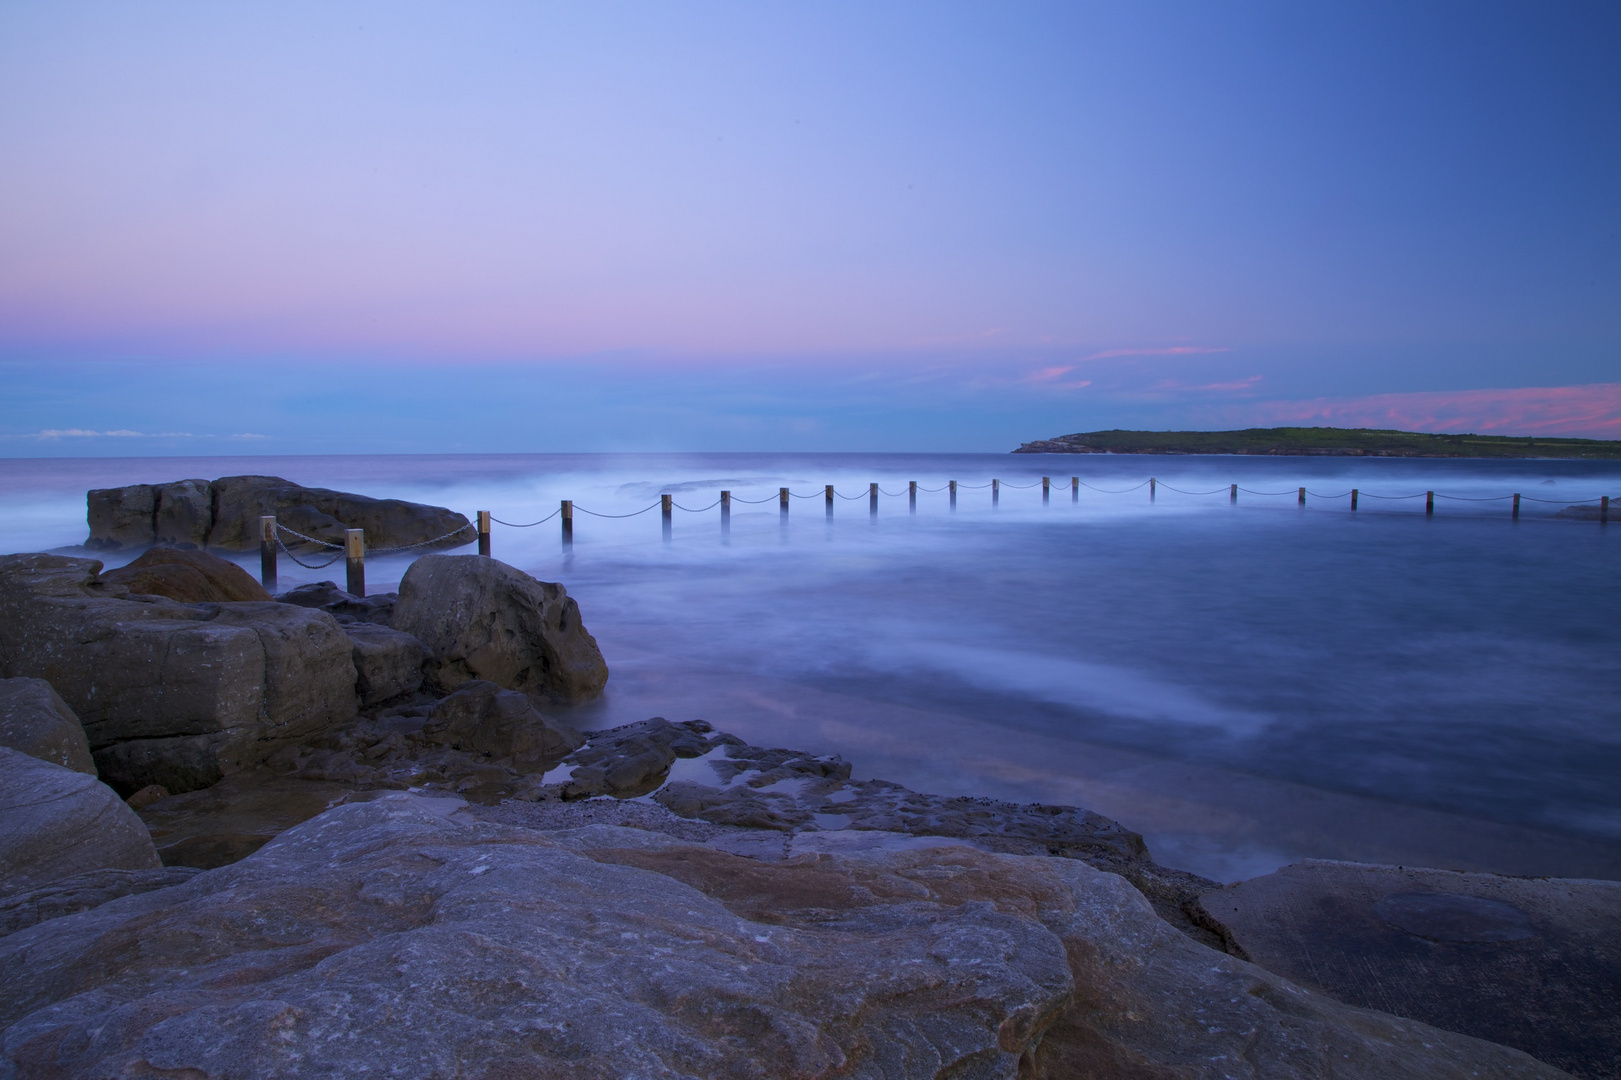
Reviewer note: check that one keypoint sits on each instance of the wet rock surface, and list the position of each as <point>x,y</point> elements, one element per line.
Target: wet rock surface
<point>225,514</point>
<point>388,663</point>
<point>55,822</point>
<point>483,619</point>
<point>1533,963</point>
<point>403,935</point>
<point>169,693</point>
<point>36,721</point>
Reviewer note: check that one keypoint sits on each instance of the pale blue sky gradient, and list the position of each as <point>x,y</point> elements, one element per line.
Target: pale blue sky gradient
<point>850,226</point>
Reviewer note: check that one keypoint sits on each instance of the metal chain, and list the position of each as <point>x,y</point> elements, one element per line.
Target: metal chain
<point>301,562</point>
<point>531,525</point>
<point>311,539</point>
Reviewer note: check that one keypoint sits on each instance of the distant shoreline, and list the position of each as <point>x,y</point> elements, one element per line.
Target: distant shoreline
<point>1326,442</point>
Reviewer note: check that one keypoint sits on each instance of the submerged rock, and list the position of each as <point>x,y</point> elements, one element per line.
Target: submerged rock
<point>225,514</point>
<point>400,936</point>
<point>55,822</point>
<point>486,620</point>
<point>189,576</point>
<point>35,720</point>
<point>169,693</point>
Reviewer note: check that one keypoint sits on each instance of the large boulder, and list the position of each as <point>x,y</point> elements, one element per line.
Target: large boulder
<point>225,514</point>
<point>403,937</point>
<point>187,575</point>
<point>35,720</point>
<point>121,517</point>
<point>484,619</point>
<point>482,718</point>
<point>172,694</point>
<point>55,822</point>
<point>387,662</point>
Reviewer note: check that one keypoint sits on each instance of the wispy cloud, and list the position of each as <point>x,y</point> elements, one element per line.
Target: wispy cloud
<point>1231,386</point>
<point>1172,350</point>
<point>1593,411</point>
<point>126,433</point>
<point>119,433</point>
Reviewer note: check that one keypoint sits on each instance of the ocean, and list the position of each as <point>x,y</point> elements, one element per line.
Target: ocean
<point>1246,684</point>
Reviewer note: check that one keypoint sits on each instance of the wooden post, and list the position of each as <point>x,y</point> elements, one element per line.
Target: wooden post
<point>996,493</point>
<point>953,485</point>
<point>1429,504</point>
<point>872,501</point>
<point>1075,489</point>
<point>782,505</point>
<point>1302,499</point>
<point>267,552</point>
<point>1604,510</point>
<point>1516,516</point>
<point>725,514</point>
<point>664,511</point>
<point>1152,484</point>
<point>827,494</point>
<point>1354,494</point>
<point>484,533</point>
<point>567,512</point>
<point>354,546</point>
<point>1232,494</point>
<point>911,496</point>
<point>1046,490</point>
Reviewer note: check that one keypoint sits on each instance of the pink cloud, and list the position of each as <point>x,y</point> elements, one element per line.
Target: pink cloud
<point>1174,350</point>
<point>1592,411</point>
<point>1051,376</point>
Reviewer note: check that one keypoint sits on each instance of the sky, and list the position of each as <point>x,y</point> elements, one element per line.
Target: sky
<point>932,226</point>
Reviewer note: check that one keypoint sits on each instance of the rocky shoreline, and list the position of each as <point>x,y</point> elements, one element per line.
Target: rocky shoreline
<point>352,838</point>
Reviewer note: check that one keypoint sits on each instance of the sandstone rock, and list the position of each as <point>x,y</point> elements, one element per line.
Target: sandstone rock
<point>168,693</point>
<point>398,937</point>
<point>634,759</point>
<point>81,892</point>
<point>35,720</point>
<point>387,662</point>
<point>189,576</point>
<point>185,513</point>
<point>324,514</point>
<point>1533,963</point>
<point>55,822</point>
<point>345,607</point>
<point>484,619</point>
<point>482,718</point>
<point>225,514</point>
<point>151,793</point>
<point>121,517</point>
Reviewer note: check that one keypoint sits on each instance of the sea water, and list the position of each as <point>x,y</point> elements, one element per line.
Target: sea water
<point>1245,683</point>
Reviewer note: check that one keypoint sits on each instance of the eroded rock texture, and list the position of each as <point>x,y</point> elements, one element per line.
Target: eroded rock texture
<point>187,575</point>
<point>169,693</point>
<point>36,721</point>
<point>483,619</point>
<point>400,937</point>
<point>55,822</point>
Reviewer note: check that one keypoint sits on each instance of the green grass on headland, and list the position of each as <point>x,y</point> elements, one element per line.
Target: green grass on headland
<point>1325,441</point>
